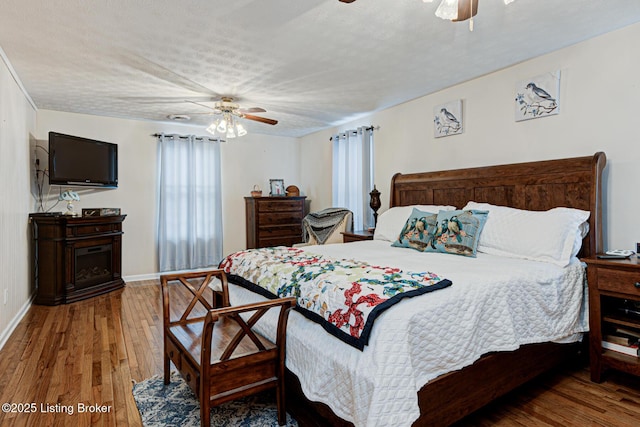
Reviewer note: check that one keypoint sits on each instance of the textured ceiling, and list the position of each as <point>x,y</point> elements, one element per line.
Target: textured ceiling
<point>311,64</point>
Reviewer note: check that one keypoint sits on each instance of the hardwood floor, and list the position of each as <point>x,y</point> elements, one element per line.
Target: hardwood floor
<point>87,353</point>
<point>83,353</point>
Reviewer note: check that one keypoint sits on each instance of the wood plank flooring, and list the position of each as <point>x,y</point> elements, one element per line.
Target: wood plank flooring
<point>89,352</point>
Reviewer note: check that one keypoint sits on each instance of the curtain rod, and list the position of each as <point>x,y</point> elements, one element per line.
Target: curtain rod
<point>371,127</point>
<point>172,135</point>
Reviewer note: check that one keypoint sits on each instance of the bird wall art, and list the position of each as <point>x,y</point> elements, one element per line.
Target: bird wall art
<point>537,96</point>
<point>447,119</point>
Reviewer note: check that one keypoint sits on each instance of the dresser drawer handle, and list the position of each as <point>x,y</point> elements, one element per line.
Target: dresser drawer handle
<point>637,285</point>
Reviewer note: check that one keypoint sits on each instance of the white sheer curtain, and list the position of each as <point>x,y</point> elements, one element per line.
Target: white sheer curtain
<point>353,174</point>
<point>190,203</point>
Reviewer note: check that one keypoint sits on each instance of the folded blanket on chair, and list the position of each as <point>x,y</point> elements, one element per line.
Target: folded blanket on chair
<point>321,224</point>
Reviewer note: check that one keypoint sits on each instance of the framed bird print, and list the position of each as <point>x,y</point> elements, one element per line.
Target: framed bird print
<point>447,119</point>
<point>538,96</point>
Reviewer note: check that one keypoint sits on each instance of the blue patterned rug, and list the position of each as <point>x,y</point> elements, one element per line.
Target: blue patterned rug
<point>176,405</point>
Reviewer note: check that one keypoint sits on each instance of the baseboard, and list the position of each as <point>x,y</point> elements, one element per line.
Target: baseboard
<point>4,336</point>
<point>139,277</point>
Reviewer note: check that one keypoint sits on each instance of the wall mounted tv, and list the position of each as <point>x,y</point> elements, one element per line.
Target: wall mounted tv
<point>80,161</point>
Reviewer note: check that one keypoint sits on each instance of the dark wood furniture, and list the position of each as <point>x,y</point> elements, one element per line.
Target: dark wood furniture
<point>356,236</point>
<point>76,258</point>
<point>216,351</point>
<point>274,221</point>
<point>611,282</point>
<point>574,182</point>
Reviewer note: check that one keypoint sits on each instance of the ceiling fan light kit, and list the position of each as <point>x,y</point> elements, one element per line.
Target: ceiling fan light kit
<point>448,9</point>
<point>228,125</point>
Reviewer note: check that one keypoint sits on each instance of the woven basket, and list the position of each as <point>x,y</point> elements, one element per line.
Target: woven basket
<point>256,192</point>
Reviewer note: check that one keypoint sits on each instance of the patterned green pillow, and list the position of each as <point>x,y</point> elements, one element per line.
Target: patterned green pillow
<point>417,231</point>
<point>457,232</point>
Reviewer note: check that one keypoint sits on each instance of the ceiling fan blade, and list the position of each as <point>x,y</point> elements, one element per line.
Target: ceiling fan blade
<point>260,119</point>
<point>252,110</point>
<point>203,105</point>
<point>466,9</point>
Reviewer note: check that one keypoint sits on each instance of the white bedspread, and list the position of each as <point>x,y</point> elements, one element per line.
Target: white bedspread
<point>494,304</point>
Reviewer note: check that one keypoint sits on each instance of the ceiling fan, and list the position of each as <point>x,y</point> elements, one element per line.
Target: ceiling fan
<point>226,107</point>
<point>465,8</point>
<point>227,124</point>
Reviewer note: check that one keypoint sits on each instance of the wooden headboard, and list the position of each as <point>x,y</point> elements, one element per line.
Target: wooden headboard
<point>574,183</point>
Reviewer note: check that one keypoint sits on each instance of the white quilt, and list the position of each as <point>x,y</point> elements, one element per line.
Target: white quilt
<point>494,304</point>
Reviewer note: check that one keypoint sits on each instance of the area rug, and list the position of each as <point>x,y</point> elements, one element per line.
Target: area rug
<point>175,405</point>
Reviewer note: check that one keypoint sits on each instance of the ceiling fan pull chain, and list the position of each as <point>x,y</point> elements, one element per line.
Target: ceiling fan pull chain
<point>471,14</point>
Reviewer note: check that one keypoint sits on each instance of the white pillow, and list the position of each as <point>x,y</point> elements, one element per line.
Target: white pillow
<point>391,221</point>
<point>553,236</point>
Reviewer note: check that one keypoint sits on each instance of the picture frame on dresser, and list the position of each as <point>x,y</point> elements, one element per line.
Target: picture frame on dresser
<point>276,187</point>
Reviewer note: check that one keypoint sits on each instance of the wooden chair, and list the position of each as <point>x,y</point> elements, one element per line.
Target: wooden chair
<point>216,349</point>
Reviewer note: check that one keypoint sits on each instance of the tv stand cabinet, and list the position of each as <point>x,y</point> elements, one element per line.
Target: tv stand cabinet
<point>75,258</point>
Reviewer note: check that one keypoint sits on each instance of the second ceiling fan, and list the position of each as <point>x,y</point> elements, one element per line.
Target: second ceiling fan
<point>465,8</point>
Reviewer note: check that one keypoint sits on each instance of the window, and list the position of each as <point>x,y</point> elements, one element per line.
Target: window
<point>353,174</point>
<point>190,206</point>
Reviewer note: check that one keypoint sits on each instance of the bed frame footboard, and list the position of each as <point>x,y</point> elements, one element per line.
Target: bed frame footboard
<point>453,396</point>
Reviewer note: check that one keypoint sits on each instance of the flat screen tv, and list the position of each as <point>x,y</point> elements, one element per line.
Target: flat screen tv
<point>80,161</point>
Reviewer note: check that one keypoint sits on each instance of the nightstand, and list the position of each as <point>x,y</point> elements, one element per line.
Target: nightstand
<point>614,291</point>
<point>356,236</point>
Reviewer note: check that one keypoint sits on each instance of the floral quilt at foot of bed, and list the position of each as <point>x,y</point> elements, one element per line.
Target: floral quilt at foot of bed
<point>345,296</point>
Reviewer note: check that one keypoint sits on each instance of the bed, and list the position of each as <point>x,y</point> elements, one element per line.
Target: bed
<point>332,383</point>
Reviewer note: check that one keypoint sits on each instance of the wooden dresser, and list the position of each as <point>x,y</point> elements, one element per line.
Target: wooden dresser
<point>274,221</point>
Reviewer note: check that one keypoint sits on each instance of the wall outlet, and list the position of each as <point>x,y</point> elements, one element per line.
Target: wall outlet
<point>6,296</point>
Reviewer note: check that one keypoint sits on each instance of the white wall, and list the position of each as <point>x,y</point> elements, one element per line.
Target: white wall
<point>315,163</point>
<point>17,124</point>
<point>599,97</point>
<point>252,159</point>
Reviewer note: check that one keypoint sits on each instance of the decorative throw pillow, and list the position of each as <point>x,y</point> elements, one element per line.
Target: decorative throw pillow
<point>417,231</point>
<point>553,236</point>
<point>391,221</point>
<point>458,232</point>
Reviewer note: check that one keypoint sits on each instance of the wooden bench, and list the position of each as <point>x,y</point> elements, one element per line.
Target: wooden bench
<point>216,350</point>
